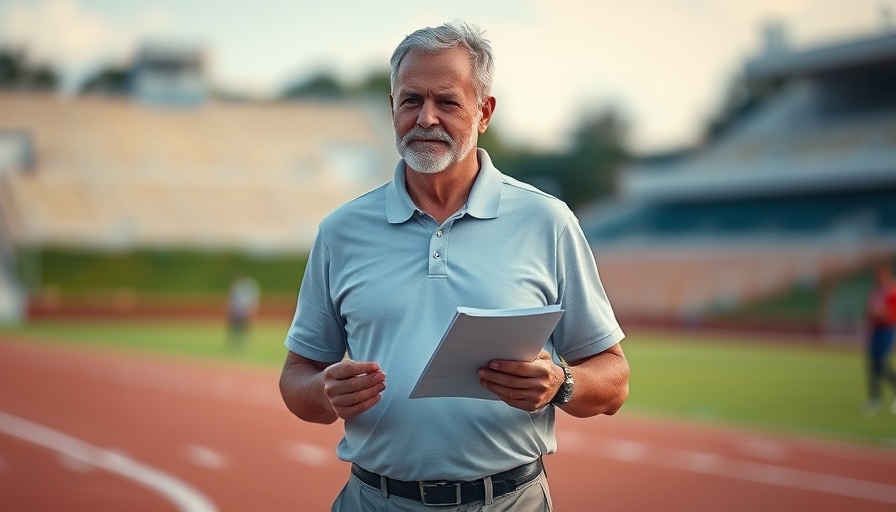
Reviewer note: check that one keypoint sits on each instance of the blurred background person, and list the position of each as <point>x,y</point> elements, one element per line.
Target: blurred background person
<point>882,320</point>
<point>241,308</point>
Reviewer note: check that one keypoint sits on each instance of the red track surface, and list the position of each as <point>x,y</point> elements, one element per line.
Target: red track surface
<point>83,431</point>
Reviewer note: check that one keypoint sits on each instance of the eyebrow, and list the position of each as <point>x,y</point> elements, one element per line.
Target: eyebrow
<point>448,95</point>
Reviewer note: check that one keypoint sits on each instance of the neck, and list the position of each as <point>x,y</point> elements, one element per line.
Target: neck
<point>443,193</point>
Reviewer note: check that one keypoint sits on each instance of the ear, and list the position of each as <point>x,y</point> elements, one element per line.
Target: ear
<point>392,105</point>
<point>487,109</point>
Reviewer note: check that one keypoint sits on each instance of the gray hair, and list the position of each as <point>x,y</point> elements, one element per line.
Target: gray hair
<point>448,36</point>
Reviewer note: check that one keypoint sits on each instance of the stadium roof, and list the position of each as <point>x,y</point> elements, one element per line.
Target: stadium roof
<point>822,130</point>
<point>842,56</point>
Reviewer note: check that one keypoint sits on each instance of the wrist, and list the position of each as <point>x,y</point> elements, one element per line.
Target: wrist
<point>567,385</point>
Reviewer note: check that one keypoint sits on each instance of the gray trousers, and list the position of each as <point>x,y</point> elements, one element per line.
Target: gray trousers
<point>357,496</point>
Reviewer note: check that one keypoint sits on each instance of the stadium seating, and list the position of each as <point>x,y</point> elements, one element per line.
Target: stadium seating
<point>113,173</point>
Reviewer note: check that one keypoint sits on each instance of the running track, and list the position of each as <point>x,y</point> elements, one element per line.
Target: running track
<point>86,431</point>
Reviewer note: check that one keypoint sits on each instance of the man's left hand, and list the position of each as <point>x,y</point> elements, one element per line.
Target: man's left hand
<point>526,386</point>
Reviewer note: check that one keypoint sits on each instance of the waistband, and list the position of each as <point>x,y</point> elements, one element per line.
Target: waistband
<point>443,492</point>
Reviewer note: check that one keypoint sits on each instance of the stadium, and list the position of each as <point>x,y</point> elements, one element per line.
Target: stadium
<point>166,165</point>
<point>125,211</point>
<point>796,190</point>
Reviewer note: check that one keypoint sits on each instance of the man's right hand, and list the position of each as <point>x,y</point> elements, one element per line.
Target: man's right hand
<point>352,387</point>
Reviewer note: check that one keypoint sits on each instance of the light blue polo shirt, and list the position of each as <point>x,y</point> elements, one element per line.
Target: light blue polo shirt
<point>383,282</point>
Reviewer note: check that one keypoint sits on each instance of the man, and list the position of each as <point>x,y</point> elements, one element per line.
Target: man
<point>882,320</point>
<point>242,305</point>
<point>386,275</point>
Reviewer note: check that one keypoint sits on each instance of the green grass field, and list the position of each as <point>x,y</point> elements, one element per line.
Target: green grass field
<point>755,382</point>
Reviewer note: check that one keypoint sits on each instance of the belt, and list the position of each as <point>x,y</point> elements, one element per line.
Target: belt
<point>443,492</point>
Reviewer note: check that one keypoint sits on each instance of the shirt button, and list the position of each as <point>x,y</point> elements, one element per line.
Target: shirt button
<point>439,233</point>
<point>435,254</point>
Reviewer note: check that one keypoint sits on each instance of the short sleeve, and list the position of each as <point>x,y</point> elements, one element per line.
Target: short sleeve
<point>588,325</point>
<point>317,331</point>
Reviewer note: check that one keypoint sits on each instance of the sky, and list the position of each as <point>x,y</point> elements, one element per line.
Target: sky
<point>663,63</point>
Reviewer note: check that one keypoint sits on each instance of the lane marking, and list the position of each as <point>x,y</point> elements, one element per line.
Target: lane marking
<point>309,454</point>
<point>630,451</point>
<point>75,465</point>
<point>762,448</point>
<point>184,497</point>
<point>188,383</point>
<point>185,382</point>
<point>712,464</point>
<point>205,457</point>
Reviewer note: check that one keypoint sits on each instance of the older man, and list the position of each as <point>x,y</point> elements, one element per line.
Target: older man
<point>389,269</point>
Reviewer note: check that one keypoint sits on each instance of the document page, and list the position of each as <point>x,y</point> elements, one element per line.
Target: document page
<point>477,336</point>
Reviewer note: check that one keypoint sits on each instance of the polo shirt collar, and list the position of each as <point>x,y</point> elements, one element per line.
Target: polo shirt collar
<point>483,203</point>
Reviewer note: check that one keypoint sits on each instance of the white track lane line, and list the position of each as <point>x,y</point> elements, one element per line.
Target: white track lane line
<point>309,454</point>
<point>182,495</point>
<point>712,464</point>
<point>182,381</point>
<point>205,457</point>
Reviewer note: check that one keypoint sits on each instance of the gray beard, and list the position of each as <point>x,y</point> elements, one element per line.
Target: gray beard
<point>426,160</point>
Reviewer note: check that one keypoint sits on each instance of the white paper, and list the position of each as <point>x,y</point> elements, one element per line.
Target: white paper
<point>477,336</point>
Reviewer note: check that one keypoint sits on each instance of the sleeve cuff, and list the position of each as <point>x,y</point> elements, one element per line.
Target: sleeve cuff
<point>302,349</point>
<point>596,347</point>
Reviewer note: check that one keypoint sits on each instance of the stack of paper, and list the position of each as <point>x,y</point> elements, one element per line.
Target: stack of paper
<point>477,336</point>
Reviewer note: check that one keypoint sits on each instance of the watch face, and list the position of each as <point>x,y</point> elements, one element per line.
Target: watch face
<point>564,394</point>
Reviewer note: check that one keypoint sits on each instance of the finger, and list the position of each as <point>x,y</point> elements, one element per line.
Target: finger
<point>352,411</point>
<point>348,368</point>
<point>516,397</point>
<point>531,386</point>
<point>505,392</point>
<point>357,397</point>
<point>540,367</point>
<point>504,379</point>
<point>335,387</point>
<point>537,369</point>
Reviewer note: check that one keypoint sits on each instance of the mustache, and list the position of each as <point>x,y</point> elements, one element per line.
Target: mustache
<point>427,133</point>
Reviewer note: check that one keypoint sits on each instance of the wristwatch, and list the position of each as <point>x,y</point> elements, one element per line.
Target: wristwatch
<point>565,392</point>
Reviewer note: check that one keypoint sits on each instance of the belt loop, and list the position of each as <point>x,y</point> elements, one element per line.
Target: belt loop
<point>489,490</point>
<point>384,485</point>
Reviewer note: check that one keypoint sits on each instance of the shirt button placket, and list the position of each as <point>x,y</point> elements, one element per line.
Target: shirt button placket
<point>437,263</point>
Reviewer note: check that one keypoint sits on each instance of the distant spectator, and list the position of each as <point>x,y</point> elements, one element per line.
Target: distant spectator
<point>882,320</point>
<point>241,308</point>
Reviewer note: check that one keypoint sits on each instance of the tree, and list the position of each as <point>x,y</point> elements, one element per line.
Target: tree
<point>584,173</point>
<point>111,80</point>
<point>740,99</point>
<point>324,85</point>
<point>17,73</point>
<point>377,85</point>
<point>598,151</point>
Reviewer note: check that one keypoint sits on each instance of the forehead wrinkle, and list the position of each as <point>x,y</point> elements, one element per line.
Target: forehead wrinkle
<point>455,75</point>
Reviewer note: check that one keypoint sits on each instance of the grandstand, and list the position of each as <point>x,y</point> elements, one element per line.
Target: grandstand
<point>111,173</point>
<point>163,164</point>
<point>799,190</point>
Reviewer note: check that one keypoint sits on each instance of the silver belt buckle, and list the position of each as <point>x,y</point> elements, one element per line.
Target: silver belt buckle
<point>439,485</point>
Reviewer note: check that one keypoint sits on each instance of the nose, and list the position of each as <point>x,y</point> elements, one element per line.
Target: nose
<point>427,116</point>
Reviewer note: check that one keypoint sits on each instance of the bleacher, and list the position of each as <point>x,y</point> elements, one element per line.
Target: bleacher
<point>112,173</point>
<point>799,190</point>
<point>781,216</point>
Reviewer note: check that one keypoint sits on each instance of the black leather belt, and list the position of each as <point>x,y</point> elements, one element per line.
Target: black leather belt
<point>443,492</point>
